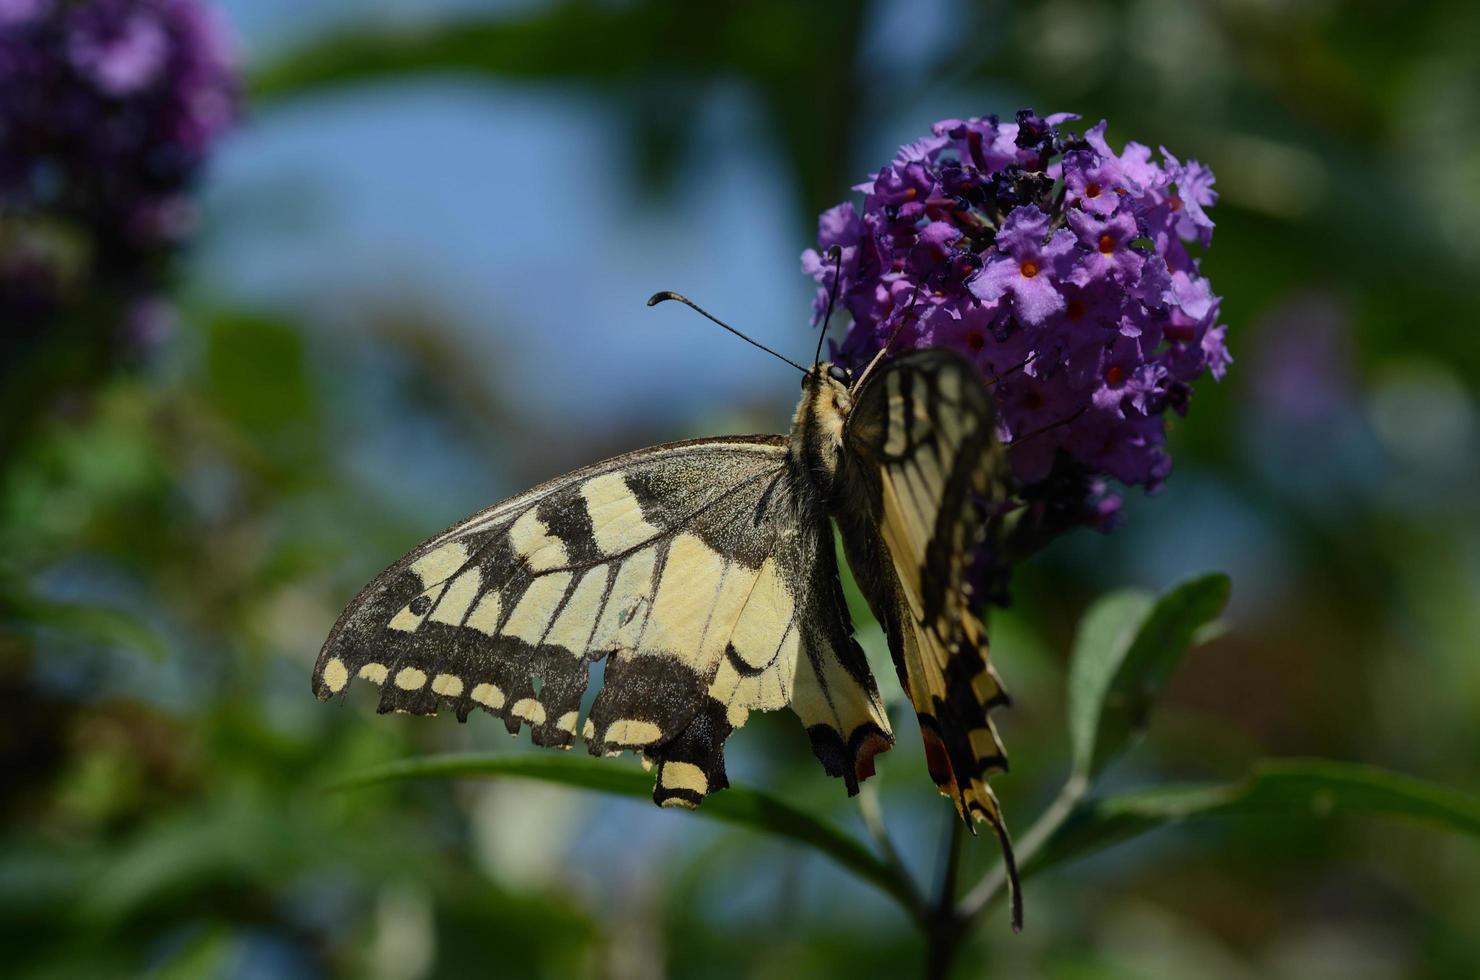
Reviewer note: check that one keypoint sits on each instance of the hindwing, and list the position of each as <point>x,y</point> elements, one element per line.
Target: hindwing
<point>694,569</point>
<point>922,459</point>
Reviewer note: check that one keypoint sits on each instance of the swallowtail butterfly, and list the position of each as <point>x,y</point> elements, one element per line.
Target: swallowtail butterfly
<point>704,573</point>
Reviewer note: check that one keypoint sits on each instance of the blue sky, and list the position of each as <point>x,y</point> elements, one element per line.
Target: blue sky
<point>510,210</point>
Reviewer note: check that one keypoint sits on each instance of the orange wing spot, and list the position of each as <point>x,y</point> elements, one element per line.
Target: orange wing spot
<point>937,760</point>
<point>873,744</point>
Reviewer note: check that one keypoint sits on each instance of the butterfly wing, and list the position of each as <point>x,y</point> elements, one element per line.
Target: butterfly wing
<point>688,567</point>
<point>922,454</point>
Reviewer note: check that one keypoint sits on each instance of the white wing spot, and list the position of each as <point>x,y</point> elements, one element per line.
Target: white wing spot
<point>577,620</point>
<point>531,618</point>
<point>684,775</point>
<point>410,679</point>
<point>768,612</point>
<point>336,675</point>
<point>488,694</point>
<point>441,563</point>
<point>896,444</point>
<point>632,731</point>
<point>484,617</point>
<point>950,385</point>
<point>447,685</point>
<point>567,722</point>
<point>617,521</point>
<point>540,549</point>
<point>692,577</point>
<point>620,622</point>
<point>374,673</point>
<point>409,619</point>
<point>530,710</point>
<point>454,603</point>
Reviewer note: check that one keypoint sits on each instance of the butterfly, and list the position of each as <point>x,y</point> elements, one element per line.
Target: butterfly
<point>704,574</point>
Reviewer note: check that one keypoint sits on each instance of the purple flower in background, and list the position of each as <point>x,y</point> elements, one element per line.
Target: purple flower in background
<point>108,111</point>
<point>1061,268</point>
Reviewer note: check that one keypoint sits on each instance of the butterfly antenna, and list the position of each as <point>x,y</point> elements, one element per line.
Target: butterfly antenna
<point>657,298</point>
<point>836,254</point>
<point>1047,428</point>
<point>992,381</point>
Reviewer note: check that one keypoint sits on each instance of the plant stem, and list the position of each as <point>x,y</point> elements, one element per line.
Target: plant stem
<point>950,870</point>
<point>944,928</point>
<point>873,819</point>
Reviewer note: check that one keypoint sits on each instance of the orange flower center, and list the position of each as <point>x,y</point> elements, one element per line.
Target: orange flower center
<point>1092,189</point>
<point>975,341</point>
<point>1176,202</point>
<point>1107,244</point>
<point>1114,374</point>
<point>1029,269</point>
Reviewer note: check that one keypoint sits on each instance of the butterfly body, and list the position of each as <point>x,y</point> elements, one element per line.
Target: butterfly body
<point>704,574</point>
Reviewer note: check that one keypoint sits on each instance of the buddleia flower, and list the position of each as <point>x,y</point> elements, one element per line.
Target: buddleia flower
<point>109,110</point>
<point>1067,272</point>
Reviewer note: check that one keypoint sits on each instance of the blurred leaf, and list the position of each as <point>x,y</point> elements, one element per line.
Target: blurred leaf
<point>257,376</point>
<point>1127,647</point>
<point>101,625</point>
<point>744,807</point>
<point>1287,788</point>
<point>209,953</point>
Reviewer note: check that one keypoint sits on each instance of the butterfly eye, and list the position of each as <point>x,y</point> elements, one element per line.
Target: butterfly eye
<point>839,374</point>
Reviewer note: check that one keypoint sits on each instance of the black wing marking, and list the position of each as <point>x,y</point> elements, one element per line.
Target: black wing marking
<point>923,451</point>
<point>681,565</point>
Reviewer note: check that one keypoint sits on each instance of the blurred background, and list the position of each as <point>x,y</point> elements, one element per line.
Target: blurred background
<point>420,237</point>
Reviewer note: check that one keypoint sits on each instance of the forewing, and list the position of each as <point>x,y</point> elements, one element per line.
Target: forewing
<point>923,458</point>
<point>678,565</point>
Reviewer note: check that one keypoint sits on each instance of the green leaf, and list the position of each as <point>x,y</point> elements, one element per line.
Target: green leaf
<point>1299,789</point>
<point>743,807</point>
<point>1127,647</point>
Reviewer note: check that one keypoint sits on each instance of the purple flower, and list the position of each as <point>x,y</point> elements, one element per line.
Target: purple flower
<point>1194,193</point>
<point>1030,262</point>
<point>13,12</point>
<point>1106,248</point>
<point>120,50</point>
<point>1061,268</point>
<point>108,110</point>
<point>1093,182</point>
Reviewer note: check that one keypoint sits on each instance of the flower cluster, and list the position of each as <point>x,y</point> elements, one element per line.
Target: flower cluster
<point>1061,268</point>
<point>108,109</point>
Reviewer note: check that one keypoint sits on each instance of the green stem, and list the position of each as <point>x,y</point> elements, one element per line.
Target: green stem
<point>944,928</point>
<point>950,871</point>
<point>873,820</point>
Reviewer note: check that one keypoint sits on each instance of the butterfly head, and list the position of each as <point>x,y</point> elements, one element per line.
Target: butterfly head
<point>817,429</point>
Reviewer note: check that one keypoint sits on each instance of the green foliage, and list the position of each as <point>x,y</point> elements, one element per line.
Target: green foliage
<point>753,809</point>
<point>1285,789</point>
<point>1127,647</point>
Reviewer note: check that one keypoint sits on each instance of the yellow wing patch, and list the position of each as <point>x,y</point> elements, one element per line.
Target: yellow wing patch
<point>681,567</point>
